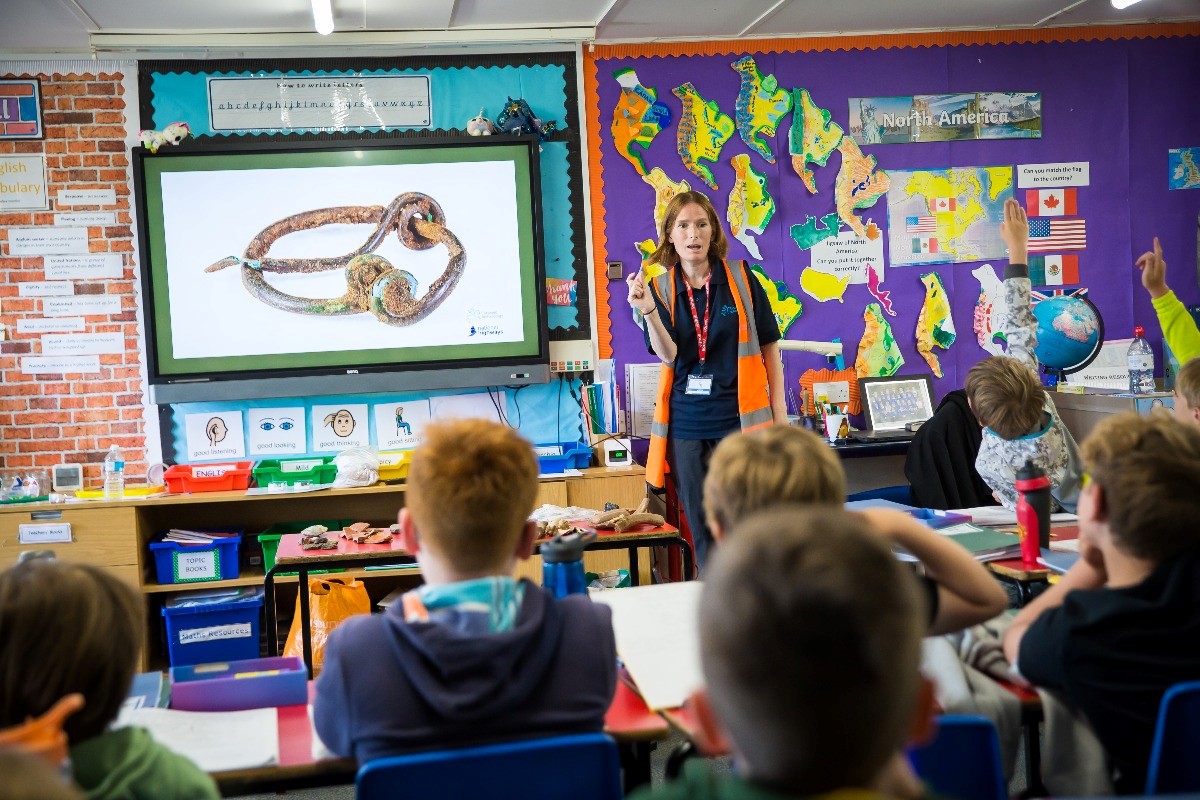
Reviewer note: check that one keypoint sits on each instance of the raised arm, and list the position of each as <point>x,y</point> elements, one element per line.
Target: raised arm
<point>641,299</point>
<point>1019,325</point>
<point>967,592</point>
<point>1177,324</point>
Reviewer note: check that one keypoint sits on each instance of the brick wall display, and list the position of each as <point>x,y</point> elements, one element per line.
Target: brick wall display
<point>47,419</point>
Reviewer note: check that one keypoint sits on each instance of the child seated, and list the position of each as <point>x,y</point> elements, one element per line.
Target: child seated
<point>754,471</point>
<point>1123,624</point>
<point>1178,327</point>
<point>473,656</point>
<point>69,628</point>
<point>1020,422</point>
<point>1187,393</point>
<point>810,636</point>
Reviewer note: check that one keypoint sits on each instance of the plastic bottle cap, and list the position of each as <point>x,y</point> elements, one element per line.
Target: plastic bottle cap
<point>1139,332</point>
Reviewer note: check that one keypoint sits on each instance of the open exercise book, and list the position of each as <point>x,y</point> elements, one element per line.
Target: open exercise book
<point>217,741</point>
<point>658,640</point>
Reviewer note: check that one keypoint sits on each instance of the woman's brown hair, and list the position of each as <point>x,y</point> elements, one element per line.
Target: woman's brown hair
<point>665,254</point>
<point>66,627</point>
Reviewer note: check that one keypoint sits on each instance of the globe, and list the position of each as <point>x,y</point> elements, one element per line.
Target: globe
<point>1070,333</point>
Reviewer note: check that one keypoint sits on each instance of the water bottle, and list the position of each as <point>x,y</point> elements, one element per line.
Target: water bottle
<point>1033,510</point>
<point>114,474</point>
<point>562,563</point>
<point>1141,363</point>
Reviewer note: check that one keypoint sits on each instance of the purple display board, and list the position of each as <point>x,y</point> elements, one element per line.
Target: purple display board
<point>1118,105</point>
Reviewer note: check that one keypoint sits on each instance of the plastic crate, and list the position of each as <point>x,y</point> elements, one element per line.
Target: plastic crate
<point>238,685</point>
<point>207,477</point>
<point>291,471</point>
<point>269,539</point>
<point>195,563</point>
<point>393,465</point>
<point>209,627</point>
<point>561,456</point>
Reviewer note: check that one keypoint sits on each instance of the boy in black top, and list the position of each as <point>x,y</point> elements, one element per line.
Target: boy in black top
<point>1123,625</point>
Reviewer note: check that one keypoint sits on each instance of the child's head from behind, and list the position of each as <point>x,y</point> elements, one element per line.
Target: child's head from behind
<point>1005,395</point>
<point>64,628</point>
<point>471,488</point>
<point>810,640</point>
<point>1147,470</point>
<point>1187,392</point>
<point>753,471</point>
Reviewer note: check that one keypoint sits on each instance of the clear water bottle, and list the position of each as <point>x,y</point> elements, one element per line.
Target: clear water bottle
<point>114,474</point>
<point>1141,363</point>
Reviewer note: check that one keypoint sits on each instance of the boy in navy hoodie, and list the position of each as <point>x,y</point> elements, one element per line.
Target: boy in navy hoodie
<point>472,656</point>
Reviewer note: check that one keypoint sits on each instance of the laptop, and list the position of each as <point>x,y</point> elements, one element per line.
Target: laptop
<point>894,407</point>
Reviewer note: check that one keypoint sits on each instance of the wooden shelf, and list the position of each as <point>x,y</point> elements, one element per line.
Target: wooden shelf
<point>256,578</point>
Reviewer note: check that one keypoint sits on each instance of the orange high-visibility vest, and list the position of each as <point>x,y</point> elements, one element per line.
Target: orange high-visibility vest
<point>754,397</point>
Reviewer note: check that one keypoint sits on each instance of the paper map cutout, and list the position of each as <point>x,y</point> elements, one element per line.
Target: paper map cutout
<point>814,376</point>
<point>812,230</point>
<point>859,185</point>
<point>879,355</point>
<point>822,286</point>
<point>665,190</point>
<point>812,137</point>
<point>760,106</point>
<point>786,307</point>
<point>750,204</point>
<point>990,309</point>
<point>703,131</point>
<point>935,324</point>
<point>645,249</point>
<point>884,297</point>
<point>637,119</point>
<point>947,216</point>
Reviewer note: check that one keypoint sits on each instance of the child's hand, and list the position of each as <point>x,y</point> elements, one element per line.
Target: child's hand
<point>1014,230</point>
<point>640,298</point>
<point>1154,271</point>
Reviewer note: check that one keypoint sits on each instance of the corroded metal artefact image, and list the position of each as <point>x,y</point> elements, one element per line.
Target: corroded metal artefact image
<point>372,283</point>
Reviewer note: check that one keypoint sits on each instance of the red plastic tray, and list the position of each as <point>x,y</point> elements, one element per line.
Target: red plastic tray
<point>208,477</point>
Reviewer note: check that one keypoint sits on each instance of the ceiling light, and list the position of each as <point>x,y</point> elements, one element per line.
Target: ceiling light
<point>323,16</point>
<point>1117,4</point>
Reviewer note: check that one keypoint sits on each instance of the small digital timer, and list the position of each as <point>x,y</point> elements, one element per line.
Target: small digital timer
<point>616,453</point>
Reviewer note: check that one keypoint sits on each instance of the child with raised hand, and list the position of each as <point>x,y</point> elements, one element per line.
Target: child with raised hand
<point>1020,422</point>
<point>810,638</point>
<point>473,655</point>
<point>754,471</point>
<point>1178,327</point>
<point>69,628</point>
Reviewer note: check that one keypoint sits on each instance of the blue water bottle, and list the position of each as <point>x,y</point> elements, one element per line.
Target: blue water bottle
<point>562,563</point>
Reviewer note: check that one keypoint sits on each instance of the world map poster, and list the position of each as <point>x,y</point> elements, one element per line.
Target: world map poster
<point>947,216</point>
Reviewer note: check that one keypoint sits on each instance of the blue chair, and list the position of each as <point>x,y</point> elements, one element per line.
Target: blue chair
<point>581,767</point>
<point>963,760</point>
<point>897,494</point>
<point>1174,766</point>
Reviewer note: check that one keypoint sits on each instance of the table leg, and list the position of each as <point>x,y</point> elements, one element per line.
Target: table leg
<point>635,764</point>
<point>689,569</point>
<point>272,617</point>
<point>681,753</point>
<point>634,578</point>
<point>1033,762</point>
<point>305,621</point>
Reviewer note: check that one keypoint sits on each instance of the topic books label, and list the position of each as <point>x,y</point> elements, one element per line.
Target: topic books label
<point>240,630</point>
<point>205,566</point>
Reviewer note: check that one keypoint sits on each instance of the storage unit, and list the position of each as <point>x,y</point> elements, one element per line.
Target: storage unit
<point>562,456</point>
<point>207,477</point>
<point>393,464</point>
<point>290,471</point>
<point>1082,412</point>
<point>176,562</point>
<point>269,539</point>
<point>239,685</point>
<point>211,626</point>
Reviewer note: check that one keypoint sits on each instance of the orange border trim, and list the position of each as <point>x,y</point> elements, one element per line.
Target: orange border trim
<point>596,198</point>
<point>816,44</point>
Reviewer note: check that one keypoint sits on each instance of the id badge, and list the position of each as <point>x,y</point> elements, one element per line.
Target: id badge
<point>699,385</point>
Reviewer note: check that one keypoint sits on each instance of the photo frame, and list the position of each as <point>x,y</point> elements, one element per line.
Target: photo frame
<point>889,404</point>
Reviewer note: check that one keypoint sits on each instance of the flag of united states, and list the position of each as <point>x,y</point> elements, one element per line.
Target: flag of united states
<point>918,225</point>
<point>1057,234</point>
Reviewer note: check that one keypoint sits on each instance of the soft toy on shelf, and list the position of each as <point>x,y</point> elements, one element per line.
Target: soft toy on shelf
<point>518,117</point>
<point>480,125</point>
<point>174,133</point>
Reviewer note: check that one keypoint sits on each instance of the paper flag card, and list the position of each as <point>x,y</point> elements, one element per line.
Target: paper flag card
<point>935,325</point>
<point>637,119</point>
<point>703,131</point>
<point>760,105</point>
<point>879,354</point>
<point>750,204</point>
<point>277,432</point>
<point>812,138</point>
<point>336,428</point>
<point>1049,235</point>
<point>1053,270</point>
<point>398,425</point>
<point>1050,202</point>
<point>214,435</point>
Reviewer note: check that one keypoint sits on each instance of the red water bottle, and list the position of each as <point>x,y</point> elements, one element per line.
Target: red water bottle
<point>1033,511</point>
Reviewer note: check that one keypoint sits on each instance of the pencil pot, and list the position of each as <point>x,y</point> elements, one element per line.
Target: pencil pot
<point>562,563</point>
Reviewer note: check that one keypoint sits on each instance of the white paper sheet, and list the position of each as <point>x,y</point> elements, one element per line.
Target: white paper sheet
<point>477,405</point>
<point>658,639</point>
<point>217,741</point>
<point>999,517</point>
<point>641,386</point>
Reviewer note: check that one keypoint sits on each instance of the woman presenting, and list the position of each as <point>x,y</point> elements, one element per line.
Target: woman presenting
<point>717,337</point>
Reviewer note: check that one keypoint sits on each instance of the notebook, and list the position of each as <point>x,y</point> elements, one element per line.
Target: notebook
<point>893,406</point>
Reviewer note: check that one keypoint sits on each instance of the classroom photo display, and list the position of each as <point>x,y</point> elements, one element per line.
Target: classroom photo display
<point>893,404</point>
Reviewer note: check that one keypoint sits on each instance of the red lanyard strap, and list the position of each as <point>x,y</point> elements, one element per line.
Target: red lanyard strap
<point>701,334</point>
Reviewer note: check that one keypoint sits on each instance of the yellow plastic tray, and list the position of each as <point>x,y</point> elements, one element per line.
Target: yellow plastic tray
<point>130,491</point>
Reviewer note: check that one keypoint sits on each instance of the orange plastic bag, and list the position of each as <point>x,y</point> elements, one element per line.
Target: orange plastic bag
<point>330,602</point>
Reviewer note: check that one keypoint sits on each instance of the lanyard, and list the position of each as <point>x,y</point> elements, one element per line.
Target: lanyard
<point>701,335</point>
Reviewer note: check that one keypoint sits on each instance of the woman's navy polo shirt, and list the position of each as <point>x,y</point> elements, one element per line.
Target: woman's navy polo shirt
<point>714,415</point>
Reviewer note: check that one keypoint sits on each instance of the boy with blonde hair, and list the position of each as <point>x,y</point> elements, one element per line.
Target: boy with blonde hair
<point>473,655</point>
<point>1020,422</point>
<point>755,471</point>
<point>1123,624</point>
<point>810,638</point>
<point>1187,393</point>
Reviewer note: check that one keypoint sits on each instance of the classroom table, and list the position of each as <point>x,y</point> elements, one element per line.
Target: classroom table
<point>633,540</point>
<point>1024,575</point>
<point>634,727</point>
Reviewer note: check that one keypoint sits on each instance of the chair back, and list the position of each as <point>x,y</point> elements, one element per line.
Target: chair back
<point>963,760</point>
<point>580,767</point>
<point>1174,765</point>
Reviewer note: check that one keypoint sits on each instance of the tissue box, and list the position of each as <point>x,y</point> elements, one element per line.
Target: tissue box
<point>239,685</point>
